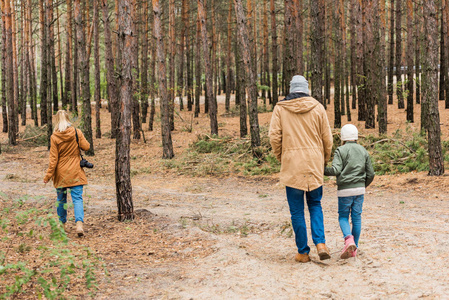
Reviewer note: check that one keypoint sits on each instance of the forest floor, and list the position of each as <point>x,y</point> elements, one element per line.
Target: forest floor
<point>230,237</point>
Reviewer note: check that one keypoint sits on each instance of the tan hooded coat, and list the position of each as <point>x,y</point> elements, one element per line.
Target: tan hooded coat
<point>302,141</point>
<point>64,166</point>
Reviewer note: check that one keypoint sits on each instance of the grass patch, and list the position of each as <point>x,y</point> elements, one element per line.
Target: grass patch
<point>37,259</point>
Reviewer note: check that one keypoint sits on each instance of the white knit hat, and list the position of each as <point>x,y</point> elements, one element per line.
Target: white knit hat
<point>349,133</point>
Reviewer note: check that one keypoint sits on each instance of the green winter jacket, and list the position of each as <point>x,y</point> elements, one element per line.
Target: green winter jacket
<point>352,166</point>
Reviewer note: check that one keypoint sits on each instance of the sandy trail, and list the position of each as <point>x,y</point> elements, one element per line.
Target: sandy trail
<point>404,246</point>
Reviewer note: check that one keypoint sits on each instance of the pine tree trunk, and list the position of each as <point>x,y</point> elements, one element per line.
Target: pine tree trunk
<point>317,49</point>
<point>443,67</point>
<point>361,87</point>
<point>208,70</point>
<point>240,93</point>
<point>353,42</point>
<point>22,75</point>
<point>338,63</point>
<point>198,68</point>
<point>17,95</point>
<point>152,78</point>
<point>250,76</point>
<point>430,88</point>
<point>51,49</point>
<point>343,57</point>
<point>382,107</point>
<point>61,77</point>
<point>163,95</point>
<point>97,95</point>
<point>371,52</point>
<point>289,42</point>
<point>172,56</point>
<point>410,63</point>
<point>189,66</point>
<point>228,58</point>
<point>135,17</point>
<point>44,63</point>
<point>123,140</point>
<point>144,68</point>
<point>418,12</point>
<point>68,58</point>
<point>266,55</point>
<point>32,68</point>
<point>445,50</point>
<point>274,53</point>
<point>4,74</point>
<point>86,112</point>
<point>76,77</point>
<point>110,72</point>
<point>399,87</point>
<point>181,57</point>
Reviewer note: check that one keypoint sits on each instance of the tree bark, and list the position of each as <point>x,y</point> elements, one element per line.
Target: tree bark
<point>418,50</point>
<point>172,57</point>
<point>274,50</point>
<point>97,70</point>
<point>208,70</point>
<point>391,61</point>
<point>68,58</point>
<point>443,67</point>
<point>338,63</point>
<point>144,68</point>
<point>250,76</point>
<point>317,49</point>
<point>51,49</point>
<point>371,56</point>
<point>189,72</point>
<point>382,107</point>
<point>44,63</point>
<point>86,112</point>
<point>198,67</point>
<point>289,42</point>
<point>361,88</point>
<point>135,17</point>
<point>228,58</point>
<point>430,88</point>
<point>163,95</point>
<point>399,83</point>
<point>240,93</point>
<point>410,63</point>
<point>110,72</point>
<point>182,55</point>
<point>4,71</point>
<point>123,140</point>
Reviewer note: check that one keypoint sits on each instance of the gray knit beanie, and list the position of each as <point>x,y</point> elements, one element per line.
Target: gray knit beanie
<point>299,84</point>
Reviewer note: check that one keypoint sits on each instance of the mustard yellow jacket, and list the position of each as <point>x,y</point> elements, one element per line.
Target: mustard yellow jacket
<point>64,166</point>
<point>302,141</point>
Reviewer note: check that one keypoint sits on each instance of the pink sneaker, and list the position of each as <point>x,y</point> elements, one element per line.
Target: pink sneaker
<point>349,249</point>
<point>354,254</point>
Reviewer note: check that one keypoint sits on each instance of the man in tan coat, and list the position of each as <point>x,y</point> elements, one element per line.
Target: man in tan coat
<point>302,141</point>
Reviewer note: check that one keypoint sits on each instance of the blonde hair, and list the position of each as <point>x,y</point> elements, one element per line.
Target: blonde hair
<point>62,121</point>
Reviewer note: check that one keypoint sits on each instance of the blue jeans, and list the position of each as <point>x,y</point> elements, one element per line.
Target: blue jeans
<point>295,199</point>
<point>77,199</point>
<point>351,205</point>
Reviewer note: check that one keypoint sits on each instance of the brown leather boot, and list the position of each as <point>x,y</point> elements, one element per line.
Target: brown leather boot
<point>323,252</point>
<point>79,228</point>
<point>302,258</point>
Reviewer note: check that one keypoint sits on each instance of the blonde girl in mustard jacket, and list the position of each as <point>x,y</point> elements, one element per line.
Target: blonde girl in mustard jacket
<point>64,168</point>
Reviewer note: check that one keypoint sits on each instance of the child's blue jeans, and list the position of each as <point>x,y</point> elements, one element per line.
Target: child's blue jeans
<point>295,199</point>
<point>77,199</point>
<point>351,205</point>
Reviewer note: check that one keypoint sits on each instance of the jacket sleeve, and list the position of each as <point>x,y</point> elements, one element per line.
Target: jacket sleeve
<point>369,171</point>
<point>84,144</point>
<point>276,133</point>
<point>337,165</point>
<point>326,135</point>
<point>54,158</point>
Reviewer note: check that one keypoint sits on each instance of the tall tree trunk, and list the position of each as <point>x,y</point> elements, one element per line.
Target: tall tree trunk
<point>44,63</point>
<point>51,42</point>
<point>97,95</point>
<point>430,88</point>
<point>338,65</point>
<point>32,67</point>
<point>317,49</point>
<point>445,49</point>
<point>250,76</point>
<point>4,70</point>
<point>343,57</point>
<point>110,72</point>
<point>353,41</point>
<point>198,67</point>
<point>289,42</point>
<point>22,76</point>
<point>443,67</point>
<point>371,52</point>
<point>418,50</point>
<point>410,63</point>
<point>86,112</point>
<point>361,87</point>
<point>228,58</point>
<point>68,59</point>
<point>399,87</point>
<point>208,70</point>
<point>144,69</point>
<point>123,140</point>
<point>137,125</point>
<point>76,76</point>
<point>61,77</point>
<point>163,95</point>
<point>189,72</point>
<point>17,95</point>
<point>391,61</point>
<point>9,67</point>
<point>297,8</point>
<point>240,93</point>
<point>274,53</point>
<point>382,107</point>
<point>152,78</point>
<point>181,56</point>
<point>172,57</point>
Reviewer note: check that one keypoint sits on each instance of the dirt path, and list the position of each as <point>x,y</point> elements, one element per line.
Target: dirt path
<point>403,252</point>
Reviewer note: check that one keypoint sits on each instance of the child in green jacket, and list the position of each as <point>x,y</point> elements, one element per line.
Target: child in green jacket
<point>354,171</point>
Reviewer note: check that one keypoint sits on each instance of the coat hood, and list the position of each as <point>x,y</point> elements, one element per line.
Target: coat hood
<point>299,105</point>
<point>65,136</point>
